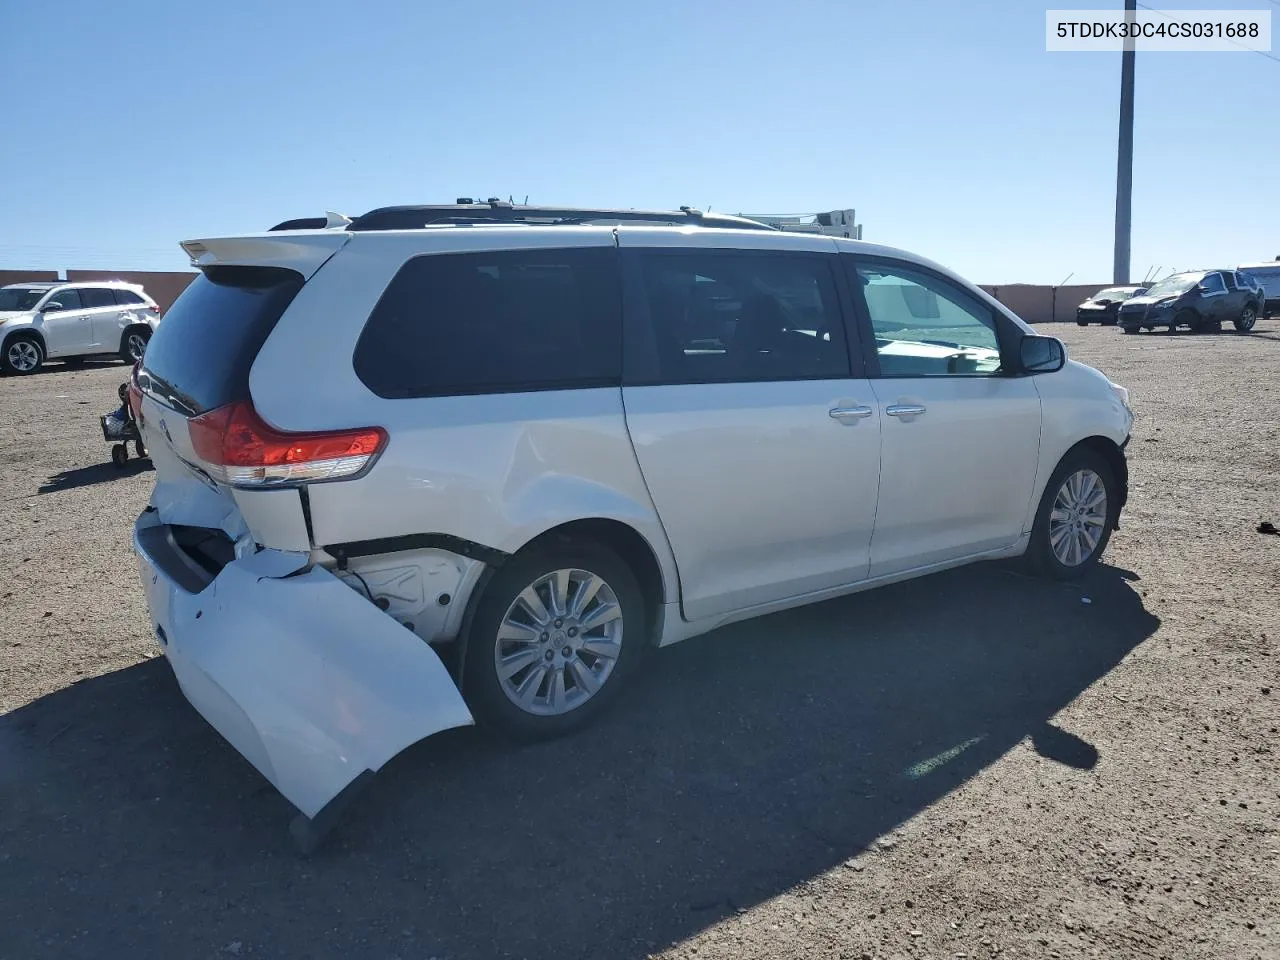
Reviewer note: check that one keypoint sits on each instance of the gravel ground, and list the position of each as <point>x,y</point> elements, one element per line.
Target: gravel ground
<point>970,765</point>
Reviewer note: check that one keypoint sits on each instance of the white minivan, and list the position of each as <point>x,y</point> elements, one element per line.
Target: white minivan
<point>477,459</point>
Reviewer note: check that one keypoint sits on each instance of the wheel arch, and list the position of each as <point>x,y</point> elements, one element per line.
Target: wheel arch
<point>634,549</point>
<point>29,331</point>
<point>142,328</point>
<point>1113,454</point>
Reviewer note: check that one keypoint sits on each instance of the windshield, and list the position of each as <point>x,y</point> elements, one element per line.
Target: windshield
<point>19,298</point>
<point>1179,283</point>
<point>1114,293</point>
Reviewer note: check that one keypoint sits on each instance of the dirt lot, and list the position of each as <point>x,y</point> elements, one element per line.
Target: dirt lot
<point>971,765</point>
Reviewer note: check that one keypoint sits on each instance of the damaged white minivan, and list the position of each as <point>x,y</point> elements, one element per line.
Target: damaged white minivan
<point>476,459</point>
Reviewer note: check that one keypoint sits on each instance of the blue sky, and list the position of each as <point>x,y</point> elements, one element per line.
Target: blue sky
<point>136,124</point>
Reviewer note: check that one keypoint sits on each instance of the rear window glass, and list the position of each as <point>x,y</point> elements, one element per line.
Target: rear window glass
<point>199,357</point>
<point>127,297</point>
<point>97,297</point>
<point>498,322</point>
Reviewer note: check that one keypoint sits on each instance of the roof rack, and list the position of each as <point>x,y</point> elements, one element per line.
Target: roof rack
<point>497,211</point>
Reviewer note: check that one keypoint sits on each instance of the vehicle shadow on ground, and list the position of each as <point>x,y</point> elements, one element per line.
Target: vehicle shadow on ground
<point>742,763</point>
<point>97,473</point>
<point>61,366</point>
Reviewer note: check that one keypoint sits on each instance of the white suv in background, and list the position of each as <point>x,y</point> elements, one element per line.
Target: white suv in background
<point>71,321</point>
<point>541,442</point>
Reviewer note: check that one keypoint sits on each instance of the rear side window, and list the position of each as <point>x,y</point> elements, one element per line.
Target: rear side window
<point>127,298</point>
<point>498,322</point>
<point>199,358</point>
<point>739,316</point>
<point>97,297</point>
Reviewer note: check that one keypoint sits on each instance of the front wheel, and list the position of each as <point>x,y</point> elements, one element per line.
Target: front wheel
<point>1075,517</point>
<point>22,354</point>
<point>1130,329</point>
<point>555,636</point>
<point>1248,317</point>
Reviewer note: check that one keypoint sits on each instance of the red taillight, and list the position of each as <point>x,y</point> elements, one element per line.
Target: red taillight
<point>245,451</point>
<point>154,308</point>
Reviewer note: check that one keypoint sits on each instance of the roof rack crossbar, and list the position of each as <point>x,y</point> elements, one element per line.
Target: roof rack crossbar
<point>416,217</point>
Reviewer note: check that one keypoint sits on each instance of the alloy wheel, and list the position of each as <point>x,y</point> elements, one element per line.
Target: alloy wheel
<point>136,345</point>
<point>23,356</point>
<point>558,642</point>
<point>1078,518</point>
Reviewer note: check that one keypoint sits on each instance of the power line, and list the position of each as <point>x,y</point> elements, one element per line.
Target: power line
<point>1261,53</point>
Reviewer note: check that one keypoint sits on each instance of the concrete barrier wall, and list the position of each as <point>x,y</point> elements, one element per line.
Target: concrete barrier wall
<point>1034,303</point>
<point>26,276</point>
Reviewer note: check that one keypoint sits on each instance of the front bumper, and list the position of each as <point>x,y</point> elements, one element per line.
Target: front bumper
<point>307,679</point>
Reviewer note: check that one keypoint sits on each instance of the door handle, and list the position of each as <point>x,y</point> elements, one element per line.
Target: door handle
<point>904,409</point>
<point>849,414</point>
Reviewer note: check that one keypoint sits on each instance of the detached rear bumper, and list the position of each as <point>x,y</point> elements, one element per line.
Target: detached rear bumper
<point>312,683</point>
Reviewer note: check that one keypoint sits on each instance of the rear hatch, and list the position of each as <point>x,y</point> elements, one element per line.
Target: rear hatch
<point>217,464</point>
<point>310,680</point>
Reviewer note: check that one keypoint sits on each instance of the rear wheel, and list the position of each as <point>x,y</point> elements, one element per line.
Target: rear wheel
<point>1248,317</point>
<point>22,354</point>
<point>1074,520</point>
<point>555,636</point>
<point>1130,329</point>
<point>134,343</point>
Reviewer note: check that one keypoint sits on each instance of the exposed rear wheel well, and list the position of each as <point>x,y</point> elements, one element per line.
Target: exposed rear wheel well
<point>630,546</point>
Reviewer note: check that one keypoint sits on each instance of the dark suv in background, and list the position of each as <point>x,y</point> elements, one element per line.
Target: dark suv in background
<point>1104,305</point>
<point>1202,300</point>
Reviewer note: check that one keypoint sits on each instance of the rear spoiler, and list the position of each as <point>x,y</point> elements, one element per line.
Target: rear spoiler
<point>329,221</point>
<point>304,253</point>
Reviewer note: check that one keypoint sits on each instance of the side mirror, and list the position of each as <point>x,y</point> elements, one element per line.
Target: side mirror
<point>1042,354</point>
<point>51,306</point>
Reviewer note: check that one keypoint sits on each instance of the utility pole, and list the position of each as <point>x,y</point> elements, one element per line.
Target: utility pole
<point>1124,156</point>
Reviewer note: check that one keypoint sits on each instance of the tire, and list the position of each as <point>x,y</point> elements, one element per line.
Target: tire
<point>1130,329</point>
<point>22,354</point>
<point>1072,481</point>
<point>1248,317</point>
<point>133,343</point>
<point>538,680</point>
<point>119,455</point>
<point>1082,323</point>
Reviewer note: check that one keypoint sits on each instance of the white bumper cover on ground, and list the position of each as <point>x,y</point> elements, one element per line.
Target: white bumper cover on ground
<point>311,682</point>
